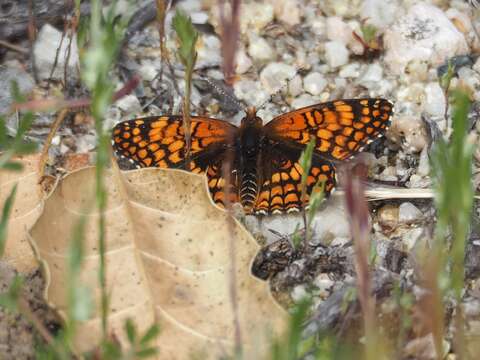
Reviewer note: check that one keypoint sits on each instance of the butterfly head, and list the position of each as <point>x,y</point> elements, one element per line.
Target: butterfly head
<point>251,118</point>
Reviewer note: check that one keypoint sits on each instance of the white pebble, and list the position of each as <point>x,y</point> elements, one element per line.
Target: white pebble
<point>350,70</point>
<point>129,104</point>
<point>434,103</point>
<point>372,74</point>
<point>338,30</point>
<point>380,13</point>
<point>424,33</point>
<point>408,213</point>
<point>259,49</point>
<point>302,101</point>
<point>275,75</point>
<point>295,86</point>
<point>336,54</point>
<point>287,11</point>
<point>45,50</point>
<point>314,83</point>
<point>243,63</point>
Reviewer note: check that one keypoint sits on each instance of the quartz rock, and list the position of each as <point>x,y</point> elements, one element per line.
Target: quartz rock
<point>424,33</point>
<point>336,54</point>
<point>314,83</point>
<point>45,50</point>
<point>275,75</point>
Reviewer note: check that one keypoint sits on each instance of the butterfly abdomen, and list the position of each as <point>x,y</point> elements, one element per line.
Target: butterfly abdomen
<point>248,188</point>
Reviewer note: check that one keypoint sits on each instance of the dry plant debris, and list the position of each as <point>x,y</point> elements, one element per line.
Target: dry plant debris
<point>167,261</point>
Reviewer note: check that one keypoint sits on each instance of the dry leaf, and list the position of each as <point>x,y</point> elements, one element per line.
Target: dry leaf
<point>167,261</point>
<point>25,211</point>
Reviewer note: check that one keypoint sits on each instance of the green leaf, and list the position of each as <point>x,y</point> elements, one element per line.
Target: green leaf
<point>130,330</point>
<point>187,36</point>
<point>27,147</point>
<point>147,352</point>
<point>151,334</point>
<point>12,166</point>
<point>7,208</point>
<point>306,161</point>
<point>15,91</point>
<point>446,78</point>
<point>369,32</point>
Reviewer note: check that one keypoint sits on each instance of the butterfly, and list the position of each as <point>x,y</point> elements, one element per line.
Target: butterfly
<point>265,173</point>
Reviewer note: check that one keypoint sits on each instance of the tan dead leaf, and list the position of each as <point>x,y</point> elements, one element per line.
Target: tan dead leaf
<point>25,211</point>
<point>168,260</point>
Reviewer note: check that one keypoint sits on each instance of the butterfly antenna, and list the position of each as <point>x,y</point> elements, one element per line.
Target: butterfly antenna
<point>229,97</point>
<point>280,89</point>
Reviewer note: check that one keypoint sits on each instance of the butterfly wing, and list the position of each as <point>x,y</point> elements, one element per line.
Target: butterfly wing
<point>216,184</point>
<point>281,189</point>
<point>160,141</point>
<point>341,128</point>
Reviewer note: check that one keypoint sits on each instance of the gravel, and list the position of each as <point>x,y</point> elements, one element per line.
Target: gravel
<point>294,54</point>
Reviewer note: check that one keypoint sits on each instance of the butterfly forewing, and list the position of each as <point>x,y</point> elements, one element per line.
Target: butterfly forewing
<point>341,128</point>
<point>160,141</point>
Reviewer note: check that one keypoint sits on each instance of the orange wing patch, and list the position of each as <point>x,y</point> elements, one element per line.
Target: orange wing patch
<point>216,185</point>
<point>281,190</point>
<point>341,128</point>
<point>160,141</point>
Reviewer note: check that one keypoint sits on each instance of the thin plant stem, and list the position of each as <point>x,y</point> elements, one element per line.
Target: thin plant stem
<point>48,142</point>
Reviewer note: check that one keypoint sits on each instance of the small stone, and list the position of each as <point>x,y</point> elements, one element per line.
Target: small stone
<point>255,15</point>
<point>129,104</point>
<point>330,223</point>
<point>424,163</point>
<point>208,51</point>
<point>336,54</point>
<point>424,33</point>
<point>259,49</point>
<point>338,30</point>
<point>419,182</point>
<point>380,13</point>
<point>45,50</point>
<point>86,143</point>
<point>243,63</point>
<point>461,20</point>
<point>476,66</point>
<point>295,87</point>
<point>409,132</point>
<point>287,11</point>
<point>199,17</point>
<point>318,26</point>
<point>250,91</point>
<point>350,70</point>
<point>435,102</point>
<point>471,79</point>
<point>324,285</point>
<point>275,75</point>
<point>371,76</point>
<point>314,83</point>
<point>302,101</point>
<point>388,217</point>
<point>389,174</point>
<point>410,238</point>
<point>408,213</point>
<point>13,71</point>
<point>299,293</point>
<point>147,70</point>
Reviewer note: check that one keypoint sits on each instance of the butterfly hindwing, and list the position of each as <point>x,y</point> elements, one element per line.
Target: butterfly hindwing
<point>341,128</point>
<point>280,189</point>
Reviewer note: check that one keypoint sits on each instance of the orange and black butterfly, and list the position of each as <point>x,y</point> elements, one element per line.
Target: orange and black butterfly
<point>265,172</point>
